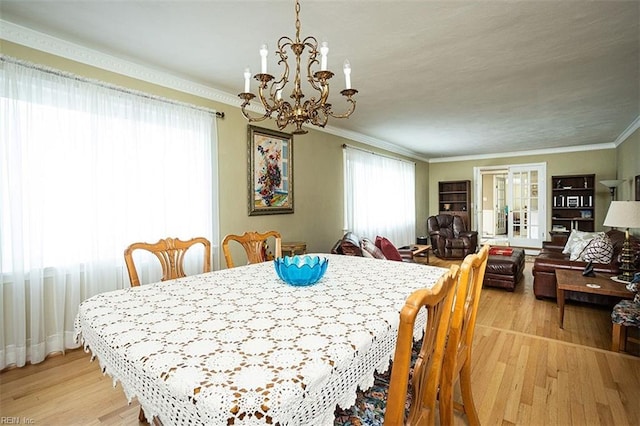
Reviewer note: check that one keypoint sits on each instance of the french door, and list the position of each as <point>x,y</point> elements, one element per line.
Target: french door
<point>521,194</point>
<point>526,195</point>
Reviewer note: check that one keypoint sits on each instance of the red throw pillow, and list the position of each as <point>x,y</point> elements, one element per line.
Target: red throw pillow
<point>388,249</point>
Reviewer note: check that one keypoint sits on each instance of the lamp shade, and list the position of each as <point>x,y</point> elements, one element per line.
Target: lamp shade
<point>623,214</point>
<point>611,183</point>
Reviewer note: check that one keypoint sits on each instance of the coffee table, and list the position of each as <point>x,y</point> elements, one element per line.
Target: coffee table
<point>421,250</point>
<point>569,280</point>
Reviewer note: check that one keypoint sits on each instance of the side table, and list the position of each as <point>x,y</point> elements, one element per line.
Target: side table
<point>293,248</point>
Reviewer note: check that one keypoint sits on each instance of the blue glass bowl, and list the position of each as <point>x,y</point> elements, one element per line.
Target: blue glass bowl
<point>301,270</point>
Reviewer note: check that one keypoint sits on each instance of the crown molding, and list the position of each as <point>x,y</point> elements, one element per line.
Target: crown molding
<point>75,52</point>
<point>378,143</point>
<point>563,150</point>
<point>635,124</point>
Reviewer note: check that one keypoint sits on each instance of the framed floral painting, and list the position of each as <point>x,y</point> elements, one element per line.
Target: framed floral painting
<point>270,171</point>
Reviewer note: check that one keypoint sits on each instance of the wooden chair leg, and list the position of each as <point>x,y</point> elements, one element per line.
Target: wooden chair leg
<point>467,395</point>
<point>141,417</point>
<point>619,337</point>
<point>445,399</point>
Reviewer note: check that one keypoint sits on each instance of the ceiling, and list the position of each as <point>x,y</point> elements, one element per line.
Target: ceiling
<point>436,79</point>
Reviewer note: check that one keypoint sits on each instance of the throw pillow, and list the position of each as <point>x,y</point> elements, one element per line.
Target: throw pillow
<point>388,249</point>
<point>369,249</point>
<point>599,250</point>
<point>577,241</point>
<point>350,245</point>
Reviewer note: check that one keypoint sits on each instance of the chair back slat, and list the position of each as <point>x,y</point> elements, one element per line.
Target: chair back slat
<point>170,252</point>
<point>253,243</point>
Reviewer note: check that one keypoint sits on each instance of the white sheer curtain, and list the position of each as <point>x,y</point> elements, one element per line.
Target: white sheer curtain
<point>379,196</point>
<point>85,170</point>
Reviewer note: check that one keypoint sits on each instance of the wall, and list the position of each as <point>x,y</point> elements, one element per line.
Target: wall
<point>600,162</point>
<point>628,165</point>
<point>318,186</point>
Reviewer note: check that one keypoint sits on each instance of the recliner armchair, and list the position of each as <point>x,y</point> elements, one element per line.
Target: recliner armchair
<point>449,238</point>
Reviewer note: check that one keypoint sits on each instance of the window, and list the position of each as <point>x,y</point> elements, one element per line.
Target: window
<point>379,196</point>
<point>85,170</point>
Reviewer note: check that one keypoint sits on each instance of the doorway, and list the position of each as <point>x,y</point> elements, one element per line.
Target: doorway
<point>492,227</point>
<point>511,208</point>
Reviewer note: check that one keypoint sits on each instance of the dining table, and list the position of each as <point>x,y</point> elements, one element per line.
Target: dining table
<point>240,346</point>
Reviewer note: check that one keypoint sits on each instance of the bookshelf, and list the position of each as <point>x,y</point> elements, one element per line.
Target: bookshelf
<point>454,197</point>
<point>573,203</point>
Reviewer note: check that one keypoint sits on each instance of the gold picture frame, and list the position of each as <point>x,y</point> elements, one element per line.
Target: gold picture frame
<point>270,177</point>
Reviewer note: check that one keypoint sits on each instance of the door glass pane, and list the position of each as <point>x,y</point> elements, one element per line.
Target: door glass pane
<point>533,203</point>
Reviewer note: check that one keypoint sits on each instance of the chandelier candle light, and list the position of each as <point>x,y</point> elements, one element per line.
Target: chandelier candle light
<point>313,111</point>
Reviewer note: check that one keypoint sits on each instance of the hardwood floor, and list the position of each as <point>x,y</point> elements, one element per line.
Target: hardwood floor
<point>526,371</point>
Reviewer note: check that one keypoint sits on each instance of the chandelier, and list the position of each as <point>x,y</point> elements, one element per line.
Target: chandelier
<point>315,111</point>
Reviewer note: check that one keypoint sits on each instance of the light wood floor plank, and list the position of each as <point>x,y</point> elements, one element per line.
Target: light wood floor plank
<point>526,371</point>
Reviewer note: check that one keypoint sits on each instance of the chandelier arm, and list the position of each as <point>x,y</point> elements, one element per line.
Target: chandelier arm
<point>265,102</point>
<point>324,94</point>
<point>283,42</point>
<point>251,119</point>
<point>319,117</point>
<point>352,108</point>
<point>312,43</point>
<point>284,115</point>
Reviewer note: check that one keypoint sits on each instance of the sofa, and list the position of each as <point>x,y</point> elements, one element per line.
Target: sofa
<point>551,257</point>
<point>381,248</point>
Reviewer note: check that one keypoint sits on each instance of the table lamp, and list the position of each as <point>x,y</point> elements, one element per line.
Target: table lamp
<point>625,214</point>
<point>612,185</point>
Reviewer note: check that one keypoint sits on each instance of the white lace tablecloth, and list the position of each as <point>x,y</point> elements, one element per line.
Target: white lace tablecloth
<point>240,345</point>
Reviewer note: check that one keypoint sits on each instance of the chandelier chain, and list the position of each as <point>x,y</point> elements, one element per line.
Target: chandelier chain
<point>297,21</point>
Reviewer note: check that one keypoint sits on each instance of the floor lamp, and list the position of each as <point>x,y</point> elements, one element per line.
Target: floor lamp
<point>625,214</point>
<point>612,185</point>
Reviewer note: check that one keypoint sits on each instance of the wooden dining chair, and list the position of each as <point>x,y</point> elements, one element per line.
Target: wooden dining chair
<point>428,366</point>
<point>426,362</point>
<point>170,252</point>
<point>253,244</point>
<point>457,359</point>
